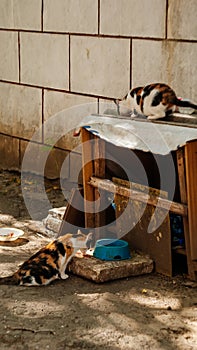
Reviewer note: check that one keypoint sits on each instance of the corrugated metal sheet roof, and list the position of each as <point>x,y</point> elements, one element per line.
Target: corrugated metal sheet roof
<point>157,137</point>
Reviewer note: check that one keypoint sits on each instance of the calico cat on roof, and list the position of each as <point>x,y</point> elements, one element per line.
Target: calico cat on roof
<point>154,100</point>
<point>50,262</point>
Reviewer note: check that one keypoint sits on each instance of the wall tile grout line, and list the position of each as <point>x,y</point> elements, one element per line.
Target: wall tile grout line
<point>69,63</point>
<point>99,11</point>
<point>19,58</point>
<point>35,142</point>
<point>57,90</point>
<point>166,20</point>
<point>42,114</point>
<point>130,71</point>
<point>42,15</point>
<point>107,36</point>
<point>98,103</point>
<point>19,154</point>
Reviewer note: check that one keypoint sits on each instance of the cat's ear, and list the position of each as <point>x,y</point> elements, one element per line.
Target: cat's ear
<point>90,240</point>
<point>79,232</point>
<point>116,101</point>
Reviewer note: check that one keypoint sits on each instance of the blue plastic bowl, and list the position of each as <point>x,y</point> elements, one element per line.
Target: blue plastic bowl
<point>111,249</point>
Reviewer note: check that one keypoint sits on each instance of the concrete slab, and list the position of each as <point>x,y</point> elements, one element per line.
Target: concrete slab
<point>102,271</point>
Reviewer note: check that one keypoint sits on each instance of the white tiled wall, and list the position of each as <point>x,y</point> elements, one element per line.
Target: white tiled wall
<point>44,60</point>
<point>21,110</point>
<point>152,67</point>
<point>9,61</point>
<point>20,14</point>
<point>143,18</point>
<point>100,66</point>
<point>59,54</point>
<point>73,16</point>
<point>63,113</point>
<point>182,19</point>
<point>56,101</point>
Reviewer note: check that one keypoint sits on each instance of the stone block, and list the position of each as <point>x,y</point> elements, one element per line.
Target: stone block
<point>102,271</point>
<point>21,110</point>
<point>54,219</point>
<point>148,62</point>
<point>71,16</point>
<point>39,228</point>
<point>108,105</point>
<point>20,14</point>
<point>9,153</point>
<point>144,18</point>
<point>35,157</point>
<point>75,167</point>
<point>57,213</point>
<point>74,108</point>
<point>181,68</point>
<point>42,160</point>
<point>182,23</point>
<point>9,61</point>
<point>6,219</point>
<point>173,63</point>
<point>54,167</point>
<point>52,224</point>
<point>97,64</point>
<point>55,101</point>
<point>45,60</point>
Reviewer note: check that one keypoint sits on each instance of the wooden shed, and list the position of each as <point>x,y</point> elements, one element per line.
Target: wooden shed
<point>148,172</point>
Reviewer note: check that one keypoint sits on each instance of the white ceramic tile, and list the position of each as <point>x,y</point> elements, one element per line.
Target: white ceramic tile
<point>20,112</point>
<point>71,16</point>
<point>9,153</point>
<point>145,18</point>
<point>100,65</point>
<point>182,19</point>
<point>9,58</point>
<point>20,14</point>
<point>63,113</point>
<point>45,60</point>
<point>148,62</point>
<point>55,101</point>
<point>169,62</point>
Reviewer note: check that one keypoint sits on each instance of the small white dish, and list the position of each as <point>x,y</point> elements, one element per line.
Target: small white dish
<point>8,234</point>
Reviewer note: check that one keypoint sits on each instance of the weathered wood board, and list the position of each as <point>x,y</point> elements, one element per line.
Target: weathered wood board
<point>191,181</point>
<point>158,243</point>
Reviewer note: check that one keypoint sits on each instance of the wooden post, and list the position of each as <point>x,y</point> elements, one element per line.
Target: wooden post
<point>88,170</point>
<point>99,171</point>
<point>191,171</point>
<point>184,199</point>
<point>93,162</point>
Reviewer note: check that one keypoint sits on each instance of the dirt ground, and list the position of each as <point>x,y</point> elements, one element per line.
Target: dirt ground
<point>146,312</point>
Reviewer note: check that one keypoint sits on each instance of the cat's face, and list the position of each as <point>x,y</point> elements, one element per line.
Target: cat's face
<point>80,240</point>
<point>77,241</point>
<point>130,102</point>
<point>125,106</point>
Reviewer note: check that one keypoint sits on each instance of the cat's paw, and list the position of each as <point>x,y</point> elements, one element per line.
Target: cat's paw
<point>133,115</point>
<point>154,117</point>
<point>64,276</point>
<point>80,253</point>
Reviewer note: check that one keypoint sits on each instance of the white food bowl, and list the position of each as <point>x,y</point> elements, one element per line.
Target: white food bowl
<point>10,234</point>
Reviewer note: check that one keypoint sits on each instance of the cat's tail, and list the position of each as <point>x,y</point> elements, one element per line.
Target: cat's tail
<point>10,280</point>
<point>185,103</point>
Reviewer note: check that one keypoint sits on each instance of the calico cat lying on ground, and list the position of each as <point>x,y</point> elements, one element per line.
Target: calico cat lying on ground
<point>154,100</point>
<point>50,262</point>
